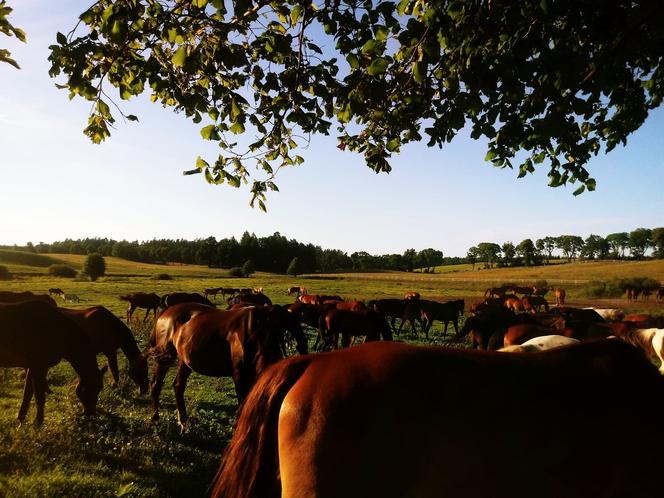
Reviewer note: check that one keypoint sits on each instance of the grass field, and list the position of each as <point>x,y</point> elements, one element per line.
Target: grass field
<point>120,453</point>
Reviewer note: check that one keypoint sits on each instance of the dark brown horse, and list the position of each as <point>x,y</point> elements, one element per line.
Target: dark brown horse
<point>35,336</point>
<point>443,312</point>
<point>406,310</point>
<point>487,329</point>
<point>346,305</point>
<point>575,422</point>
<point>533,304</point>
<point>108,333</point>
<point>168,300</point>
<point>349,324</point>
<point>212,292</point>
<point>19,297</point>
<point>250,299</point>
<point>148,302</point>
<point>216,343</point>
<point>309,314</point>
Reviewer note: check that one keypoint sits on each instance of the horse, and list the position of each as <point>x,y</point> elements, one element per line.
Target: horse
<point>250,299</point>
<point>346,305</point>
<point>429,422</point>
<point>514,304</point>
<point>496,291</point>
<point>487,329</point>
<point>645,294</point>
<point>71,298</point>
<point>540,343</point>
<point>326,297</point>
<point>149,302</point>
<point>297,290</point>
<point>56,292</point>
<point>348,324</point>
<point>533,303</point>
<point>393,308</point>
<point>309,314</point>
<point>659,295</point>
<point>309,299</point>
<point>649,341</point>
<point>19,297</point>
<point>36,336</point>
<point>444,312</point>
<point>258,290</point>
<point>107,334</point>
<point>560,296</point>
<point>411,295</point>
<point>609,314</point>
<point>168,300</point>
<point>238,344</point>
<point>212,292</point>
<point>582,314</point>
<point>526,291</point>
<point>520,333</point>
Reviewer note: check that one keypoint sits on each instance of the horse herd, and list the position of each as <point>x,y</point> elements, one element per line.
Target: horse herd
<point>383,418</point>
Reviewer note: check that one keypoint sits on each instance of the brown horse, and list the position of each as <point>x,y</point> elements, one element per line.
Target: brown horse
<point>560,296</point>
<point>168,300</point>
<point>148,302</point>
<point>350,324</point>
<point>346,305</point>
<point>406,421</point>
<point>35,336</point>
<point>297,290</point>
<point>309,299</point>
<point>487,329</point>
<point>444,312</point>
<point>659,296</point>
<point>19,297</point>
<point>406,310</point>
<point>251,299</point>
<point>108,333</point>
<point>411,295</point>
<point>533,304</point>
<point>212,292</point>
<point>514,304</point>
<point>56,292</point>
<point>216,343</point>
<point>496,291</point>
<point>309,314</point>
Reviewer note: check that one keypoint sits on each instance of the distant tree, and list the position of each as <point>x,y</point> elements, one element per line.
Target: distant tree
<point>618,242</point>
<point>94,266</point>
<point>430,258</point>
<point>546,245</point>
<point>473,255</point>
<point>570,245</point>
<point>410,259</point>
<point>236,271</point>
<point>488,252</point>
<point>248,268</point>
<point>658,242</point>
<point>5,274</point>
<point>595,247</point>
<point>639,242</point>
<point>526,249</point>
<point>509,251</point>
<point>294,268</point>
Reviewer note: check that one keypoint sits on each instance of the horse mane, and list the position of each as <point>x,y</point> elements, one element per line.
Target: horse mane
<point>250,465</point>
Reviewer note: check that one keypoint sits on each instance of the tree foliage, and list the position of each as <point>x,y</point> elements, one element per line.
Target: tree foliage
<point>294,268</point>
<point>560,80</point>
<point>8,29</point>
<point>94,266</point>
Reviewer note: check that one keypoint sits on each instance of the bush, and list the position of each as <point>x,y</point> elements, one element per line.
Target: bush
<point>605,289</point>
<point>248,268</point>
<point>94,266</point>
<point>236,271</point>
<point>60,270</point>
<point>4,273</point>
<point>161,276</point>
<point>294,268</point>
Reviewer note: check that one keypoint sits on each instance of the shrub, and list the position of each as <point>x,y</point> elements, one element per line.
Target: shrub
<point>60,270</point>
<point>294,268</point>
<point>248,268</point>
<point>4,273</point>
<point>94,266</point>
<point>236,271</point>
<point>161,276</point>
<point>605,289</point>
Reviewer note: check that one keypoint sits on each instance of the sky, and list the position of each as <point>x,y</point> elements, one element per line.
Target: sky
<point>56,184</point>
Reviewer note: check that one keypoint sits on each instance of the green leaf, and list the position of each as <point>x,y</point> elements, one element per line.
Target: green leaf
<point>180,56</point>
<point>490,155</point>
<point>295,15</point>
<point>419,71</point>
<point>237,128</point>
<point>200,3</point>
<point>378,66</point>
<point>370,48</point>
<point>353,61</point>
<point>579,190</point>
<point>209,132</point>
<point>201,163</point>
<point>61,39</point>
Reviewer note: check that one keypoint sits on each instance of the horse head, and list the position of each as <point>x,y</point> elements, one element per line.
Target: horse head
<point>88,389</point>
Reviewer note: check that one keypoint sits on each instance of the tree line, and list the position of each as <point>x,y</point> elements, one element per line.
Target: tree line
<point>271,254</point>
<point>620,245</point>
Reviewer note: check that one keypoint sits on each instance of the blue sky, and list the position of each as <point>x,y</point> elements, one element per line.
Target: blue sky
<point>55,184</point>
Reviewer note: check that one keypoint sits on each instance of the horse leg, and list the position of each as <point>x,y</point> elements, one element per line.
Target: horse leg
<point>155,388</point>
<point>179,385</point>
<point>345,340</point>
<point>39,385</point>
<point>147,312</point>
<point>28,390</point>
<point>112,357</point>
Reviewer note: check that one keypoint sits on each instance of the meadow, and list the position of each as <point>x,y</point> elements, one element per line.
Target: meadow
<point>121,453</point>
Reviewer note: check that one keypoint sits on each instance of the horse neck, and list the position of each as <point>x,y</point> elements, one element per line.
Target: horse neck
<point>128,343</point>
<point>81,356</point>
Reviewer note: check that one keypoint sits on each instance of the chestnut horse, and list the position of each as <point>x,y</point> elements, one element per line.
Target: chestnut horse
<point>148,302</point>
<point>428,422</point>
<point>560,296</point>
<point>19,297</point>
<point>309,299</point>
<point>533,304</point>
<point>250,299</point>
<point>108,333</point>
<point>35,336</point>
<point>216,343</point>
<point>174,298</point>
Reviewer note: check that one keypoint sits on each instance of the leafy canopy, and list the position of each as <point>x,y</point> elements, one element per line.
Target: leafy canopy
<point>552,82</point>
<point>6,28</point>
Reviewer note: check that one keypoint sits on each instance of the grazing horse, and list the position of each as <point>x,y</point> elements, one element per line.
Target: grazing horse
<point>496,291</point>
<point>533,304</point>
<point>406,421</point>
<point>393,309</point>
<point>411,295</point>
<point>300,291</point>
<point>331,297</point>
<point>443,312</point>
<point>71,298</point>
<point>56,292</point>
<point>212,292</point>
<point>250,299</point>
<point>346,305</point>
<point>19,297</point>
<point>659,296</point>
<point>540,343</point>
<point>349,324</point>
<point>309,314</point>
<point>149,302</point>
<point>487,329</point>
<point>560,296</point>
<point>108,333</point>
<point>35,336</point>
<point>514,304</point>
<point>168,300</point>
<point>238,344</point>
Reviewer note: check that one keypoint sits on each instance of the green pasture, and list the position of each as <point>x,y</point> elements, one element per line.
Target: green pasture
<point>120,452</point>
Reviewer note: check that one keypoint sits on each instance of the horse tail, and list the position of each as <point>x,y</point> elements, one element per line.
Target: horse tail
<point>250,465</point>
